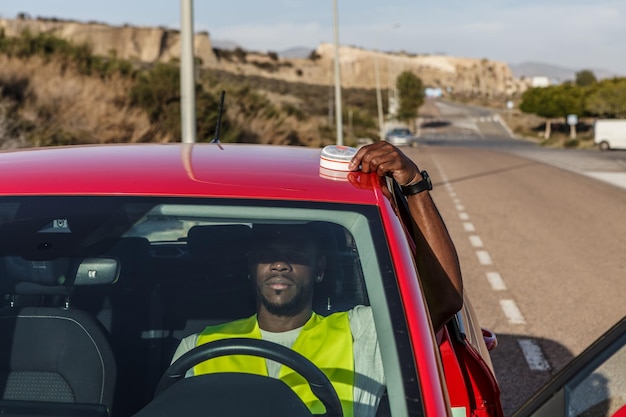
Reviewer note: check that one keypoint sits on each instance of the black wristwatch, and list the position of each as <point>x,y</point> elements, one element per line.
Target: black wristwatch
<point>422,185</point>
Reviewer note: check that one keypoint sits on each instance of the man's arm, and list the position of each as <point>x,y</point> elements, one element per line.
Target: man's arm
<point>437,260</point>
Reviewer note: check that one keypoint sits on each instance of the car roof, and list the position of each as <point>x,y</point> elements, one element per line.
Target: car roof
<point>220,170</point>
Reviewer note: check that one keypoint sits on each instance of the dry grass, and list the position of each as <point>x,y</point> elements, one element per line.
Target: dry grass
<point>61,106</point>
<point>85,109</point>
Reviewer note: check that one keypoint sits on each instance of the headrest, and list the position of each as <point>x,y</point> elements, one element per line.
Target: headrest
<point>320,233</point>
<point>215,240</point>
<point>269,232</point>
<point>131,245</point>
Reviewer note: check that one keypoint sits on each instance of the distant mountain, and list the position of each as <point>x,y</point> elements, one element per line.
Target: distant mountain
<point>554,72</point>
<point>296,52</point>
<point>290,53</point>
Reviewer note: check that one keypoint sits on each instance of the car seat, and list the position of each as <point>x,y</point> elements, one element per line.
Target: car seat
<point>215,287</point>
<point>343,286</point>
<point>212,286</point>
<point>50,352</point>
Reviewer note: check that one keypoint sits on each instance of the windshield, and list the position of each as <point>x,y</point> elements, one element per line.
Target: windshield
<point>153,271</point>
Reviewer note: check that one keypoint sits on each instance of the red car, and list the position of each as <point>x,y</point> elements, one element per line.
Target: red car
<point>110,255</point>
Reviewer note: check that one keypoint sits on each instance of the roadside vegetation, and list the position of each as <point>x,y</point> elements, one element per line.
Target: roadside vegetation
<point>411,92</point>
<point>586,98</point>
<point>56,93</point>
<point>53,93</point>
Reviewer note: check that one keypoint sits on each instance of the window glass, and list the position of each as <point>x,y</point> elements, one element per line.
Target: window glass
<point>183,265</point>
<point>602,392</point>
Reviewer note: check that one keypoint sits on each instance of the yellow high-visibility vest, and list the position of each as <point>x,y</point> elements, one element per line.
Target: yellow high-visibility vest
<point>325,341</point>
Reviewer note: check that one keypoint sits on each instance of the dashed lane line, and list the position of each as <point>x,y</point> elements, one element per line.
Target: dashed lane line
<point>512,312</point>
<point>496,281</point>
<point>483,257</point>
<point>530,349</point>
<point>476,241</point>
<point>533,354</point>
<point>469,227</point>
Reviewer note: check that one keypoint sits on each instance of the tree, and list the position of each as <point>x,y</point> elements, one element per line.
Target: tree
<point>411,92</point>
<point>608,99</point>
<point>552,102</point>
<point>585,78</point>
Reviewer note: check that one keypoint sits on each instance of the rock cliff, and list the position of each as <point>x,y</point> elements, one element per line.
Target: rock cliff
<point>144,44</point>
<point>461,76</point>
<point>464,76</point>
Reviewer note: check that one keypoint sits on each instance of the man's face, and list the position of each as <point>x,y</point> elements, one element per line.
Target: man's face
<point>284,269</point>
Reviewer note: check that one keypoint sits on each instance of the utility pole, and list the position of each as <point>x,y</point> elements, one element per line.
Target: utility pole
<point>379,98</point>
<point>338,110</point>
<point>187,74</point>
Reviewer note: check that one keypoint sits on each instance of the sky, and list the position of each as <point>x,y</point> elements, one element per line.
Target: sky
<point>574,34</point>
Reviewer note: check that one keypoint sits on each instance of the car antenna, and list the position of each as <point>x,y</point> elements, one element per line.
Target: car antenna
<point>216,138</point>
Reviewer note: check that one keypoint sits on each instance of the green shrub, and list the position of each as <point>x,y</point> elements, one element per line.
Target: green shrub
<point>48,46</point>
<point>157,92</point>
<point>292,110</point>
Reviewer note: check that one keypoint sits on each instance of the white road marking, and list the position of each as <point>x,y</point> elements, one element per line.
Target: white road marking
<point>469,227</point>
<point>531,350</point>
<point>506,127</point>
<point>483,257</point>
<point>615,178</point>
<point>512,313</point>
<point>476,241</point>
<point>496,281</point>
<point>533,355</point>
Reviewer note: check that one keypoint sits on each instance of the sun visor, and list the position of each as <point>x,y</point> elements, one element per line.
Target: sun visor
<point>62,272</point>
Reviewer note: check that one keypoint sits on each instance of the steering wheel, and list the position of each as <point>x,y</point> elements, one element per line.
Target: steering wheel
<point>318,382</point>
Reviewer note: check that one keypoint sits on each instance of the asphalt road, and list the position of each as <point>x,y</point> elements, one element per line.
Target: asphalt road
<point>541,237</point>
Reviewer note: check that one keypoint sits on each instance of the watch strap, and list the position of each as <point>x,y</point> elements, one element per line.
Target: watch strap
<point>420,186</point>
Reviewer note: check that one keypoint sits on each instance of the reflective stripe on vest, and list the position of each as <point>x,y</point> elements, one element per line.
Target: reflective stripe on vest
<point>325,341</point>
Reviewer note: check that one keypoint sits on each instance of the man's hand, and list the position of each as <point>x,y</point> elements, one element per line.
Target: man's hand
<point>385,159</point>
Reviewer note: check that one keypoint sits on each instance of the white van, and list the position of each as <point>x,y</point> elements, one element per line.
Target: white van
<point>610,134</point>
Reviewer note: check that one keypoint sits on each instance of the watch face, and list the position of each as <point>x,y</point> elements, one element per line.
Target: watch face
<point>427,178</point>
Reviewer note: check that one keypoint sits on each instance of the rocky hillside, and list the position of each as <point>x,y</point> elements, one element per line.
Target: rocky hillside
<point>462,77</point>
<point>144,44</point>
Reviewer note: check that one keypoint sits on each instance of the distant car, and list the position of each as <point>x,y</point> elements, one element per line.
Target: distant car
<point>401,136</point>
<point>609,134</point>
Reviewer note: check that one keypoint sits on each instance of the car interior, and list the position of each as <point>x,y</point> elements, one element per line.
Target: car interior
<point>90,324</point>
